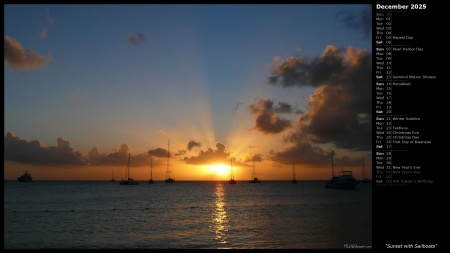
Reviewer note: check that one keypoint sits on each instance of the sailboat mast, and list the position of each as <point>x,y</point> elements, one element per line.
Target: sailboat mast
<point>293,170</point>
<point>128,166</point>
<point>151,167</point>
<point>231,167</point>
<point>363,172</point>
<point>332,165</point>
<point>168,155</point>
<point>254,171</point>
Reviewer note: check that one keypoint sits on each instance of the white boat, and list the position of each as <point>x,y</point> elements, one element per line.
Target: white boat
<point>344,180</point>
<point>232,181</point>
<point>255,179</point>
<point>168,178</point>
<point>294,181</point>
<point>128,180</point>
<point>26,177</point>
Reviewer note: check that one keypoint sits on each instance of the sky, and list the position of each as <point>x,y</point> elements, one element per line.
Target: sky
<point>275,88</point>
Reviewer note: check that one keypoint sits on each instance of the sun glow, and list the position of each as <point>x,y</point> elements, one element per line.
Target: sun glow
<point>219,169</point>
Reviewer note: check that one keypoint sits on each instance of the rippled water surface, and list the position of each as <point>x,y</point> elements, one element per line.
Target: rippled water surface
<point>210,215</point>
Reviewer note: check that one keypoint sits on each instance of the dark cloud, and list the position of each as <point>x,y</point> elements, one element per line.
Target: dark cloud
<point>180,152</point>
<point>219,155</point>
<point>283,108</point>
<point>361,22</point>
<point>17,57</point>
<point>339,111</point>
<point>254,157</point>
<point>193,144</point>
<point>158,152</point>
<point>305,153</point>
<point>299,111</point>
<point>265,116</point>
<point>136,40</point>
<point>32,152</point>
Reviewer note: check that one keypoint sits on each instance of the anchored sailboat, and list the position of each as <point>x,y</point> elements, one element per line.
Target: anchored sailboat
<point>168,178</point>
<point>150,181</point>
<point>255,179</point>
<point>232,181</point>
<point>128,180</point>
<point>294,181</point>
<point>112,176</point>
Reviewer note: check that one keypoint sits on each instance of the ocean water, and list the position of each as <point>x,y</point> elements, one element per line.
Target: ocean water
<point>185,215</point>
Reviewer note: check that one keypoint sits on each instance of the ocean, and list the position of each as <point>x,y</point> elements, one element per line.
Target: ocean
<point>185,215</point>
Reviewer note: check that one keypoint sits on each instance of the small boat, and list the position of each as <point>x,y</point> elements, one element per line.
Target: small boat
<point>150,181</point>
<point>255,179</point>
<point>294,181</point>
<point>128,180</point>
<point>344,180</point>
<point>232,181</point>
<point>26,177</point>
<point>364,178</point>
<point>168,178</point>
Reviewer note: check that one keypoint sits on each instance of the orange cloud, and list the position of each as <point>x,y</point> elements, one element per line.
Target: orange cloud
<point>17,57</point>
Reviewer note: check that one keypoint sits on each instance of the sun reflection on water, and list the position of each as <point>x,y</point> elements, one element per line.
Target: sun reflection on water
<point>220,217</point>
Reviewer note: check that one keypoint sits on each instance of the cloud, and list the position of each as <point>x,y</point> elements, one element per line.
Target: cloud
<point>158,152</point>
<point>33,152</point>
<point>117,158</point>
<point>44,32</point>
<point>265,116</point>
<point>48,21</point>
<point>136,40</point>
<point>193,144</point>
<point>254,157</point>
<point>219,155</point>
<point>283,108</point>
<point>17,57</point>
<point>361,22</point>
<point>340,109</point>
<point>305,153</point>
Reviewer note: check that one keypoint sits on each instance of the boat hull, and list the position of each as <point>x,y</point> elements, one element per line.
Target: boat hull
<point>128,182</point>
<point>170,180</point>
<point>342,185</point>
<point>26,177</point>
<point>346,182</point>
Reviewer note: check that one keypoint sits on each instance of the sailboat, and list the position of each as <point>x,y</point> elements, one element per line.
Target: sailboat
<point>364,178</point>
<point>294,181</point>
<point>168,178</point>
<point>112,176</point>
<point>232,181</point>
<point>255,179</point>
<point>150,181</point>
<point>344,180</point>
<point>128,180</point>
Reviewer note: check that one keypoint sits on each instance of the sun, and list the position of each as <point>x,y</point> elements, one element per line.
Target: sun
<point>219,169</point>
